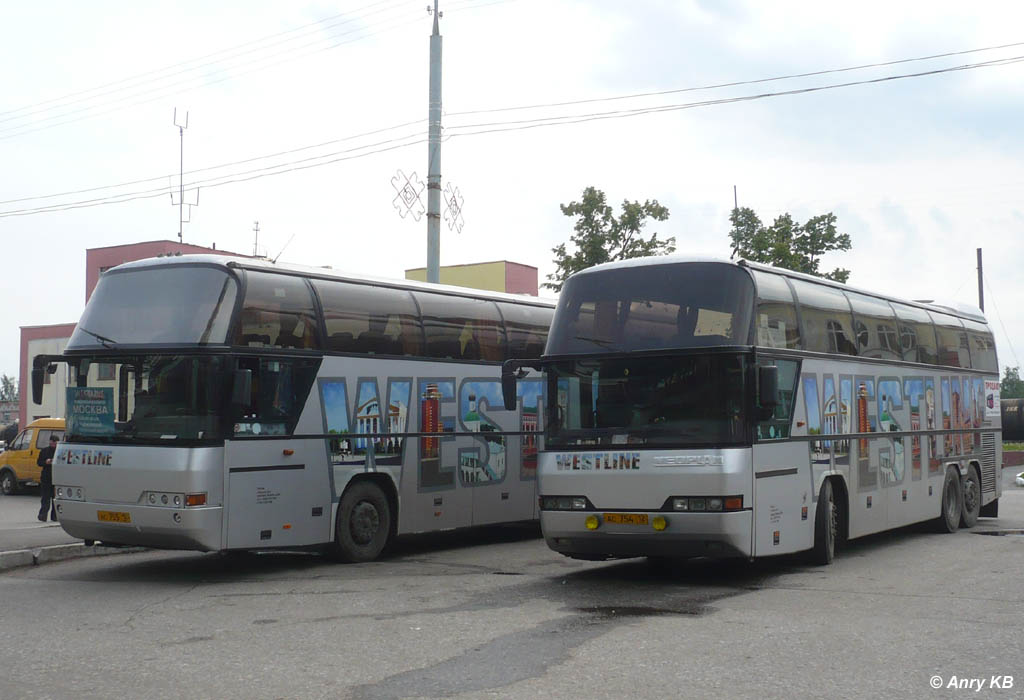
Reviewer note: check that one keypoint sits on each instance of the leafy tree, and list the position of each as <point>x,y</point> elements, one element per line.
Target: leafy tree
<point>8,388</point>
<point>787,243</point>
<point>602,237</point>
<point>1012,386</point>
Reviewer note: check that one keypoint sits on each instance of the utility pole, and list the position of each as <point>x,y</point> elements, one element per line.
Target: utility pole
<point>256,243</point>
<point>735,200</point>
<point>981,284</point>
<point>181,173</point>
<point>434,156</point>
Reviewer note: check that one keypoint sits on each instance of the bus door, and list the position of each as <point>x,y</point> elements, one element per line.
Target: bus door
<point>782,474</point>
<point>277,490</point>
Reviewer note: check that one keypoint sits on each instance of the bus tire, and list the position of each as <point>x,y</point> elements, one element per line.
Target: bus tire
<point>952,502</point>
<point>971,489</point>
<point>8,482</point>
<point>364,523</point>
<point>826,526</point>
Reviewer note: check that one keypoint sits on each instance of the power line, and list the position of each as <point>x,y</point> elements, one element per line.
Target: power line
<point>494,127</point>
<point>735,83</point>
<point>992,297</point>
<point>216,167</point>
<point>162,91</point>
<point>126,84</point>
<point>318,25</point>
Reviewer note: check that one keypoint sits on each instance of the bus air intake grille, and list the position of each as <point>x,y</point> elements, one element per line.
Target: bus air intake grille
<point>988,463</point>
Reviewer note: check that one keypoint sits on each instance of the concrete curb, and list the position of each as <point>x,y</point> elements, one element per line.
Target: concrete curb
<point>59,552</point>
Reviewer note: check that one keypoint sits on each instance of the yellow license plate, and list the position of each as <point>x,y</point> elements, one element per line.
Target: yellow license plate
<point>113,516</point>
<point>626,518</point>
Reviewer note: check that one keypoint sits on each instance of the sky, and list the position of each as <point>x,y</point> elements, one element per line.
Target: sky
<point>300,115</point>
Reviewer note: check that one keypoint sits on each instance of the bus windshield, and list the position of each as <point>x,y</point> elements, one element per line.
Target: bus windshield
<point>650,307</point>
<point>166,305</point>
<point>153,399</point>
<point>185,400</point>
<point>678,400</point>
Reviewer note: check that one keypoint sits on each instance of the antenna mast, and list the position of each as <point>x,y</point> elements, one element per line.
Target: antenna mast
<point>181,173</point>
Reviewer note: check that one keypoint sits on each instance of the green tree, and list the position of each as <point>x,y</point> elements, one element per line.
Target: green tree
<point>602,237</point>
<point>1012,386</point>
<point>788,244</point>
<point>8,388</point>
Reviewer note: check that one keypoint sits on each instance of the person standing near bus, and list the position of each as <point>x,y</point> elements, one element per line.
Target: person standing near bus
<point>46,480</point>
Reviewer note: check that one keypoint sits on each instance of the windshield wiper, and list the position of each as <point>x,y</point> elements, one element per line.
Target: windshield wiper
<point>105,341</point>
<point>596,341</point>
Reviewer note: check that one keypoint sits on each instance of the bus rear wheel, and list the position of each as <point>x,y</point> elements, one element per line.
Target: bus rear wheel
<point>952,502</point>
<point>826,526</point>
<point>364,523</point>
<point>971,486</point>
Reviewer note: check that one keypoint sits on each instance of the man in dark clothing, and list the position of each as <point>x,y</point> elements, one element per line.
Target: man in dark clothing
<point>46,480</point>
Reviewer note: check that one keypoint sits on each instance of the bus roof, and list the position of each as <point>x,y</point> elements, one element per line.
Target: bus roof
<point>947,307</point>
<point>329,274</point>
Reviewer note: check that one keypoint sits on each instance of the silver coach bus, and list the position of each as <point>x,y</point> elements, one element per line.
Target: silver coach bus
<point>226,404</point>
<point>715,408</point>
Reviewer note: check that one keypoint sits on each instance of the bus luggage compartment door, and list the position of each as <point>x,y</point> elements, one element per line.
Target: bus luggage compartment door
<point>783,499</point>
<point>276,499</point>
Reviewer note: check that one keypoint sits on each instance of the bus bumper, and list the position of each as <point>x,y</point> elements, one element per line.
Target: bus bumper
<point>198,529</point>
<point>719,535</point>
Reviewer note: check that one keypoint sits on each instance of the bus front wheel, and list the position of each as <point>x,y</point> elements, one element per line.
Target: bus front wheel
<point>826,526</point>
<point>364,523</point>
<point>952,502</point>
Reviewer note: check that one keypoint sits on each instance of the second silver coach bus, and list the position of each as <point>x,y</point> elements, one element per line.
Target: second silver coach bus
<point>714,408</point>
<point>223,404</point>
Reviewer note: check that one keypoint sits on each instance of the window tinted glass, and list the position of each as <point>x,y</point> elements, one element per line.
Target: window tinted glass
<point>917,335</point>
<point>169,304</point>
<point>278,312</point>
<point>954,350</point>
<point>828,326</point>
<point>777,427</point>
<point>874,324</point>
<point>278,393</point>
<point>983,346</point>
<point>526,328</point>
<point>370,320</point>
<point>461,328</point>
<point>670,305</point>
<point>775,317</point>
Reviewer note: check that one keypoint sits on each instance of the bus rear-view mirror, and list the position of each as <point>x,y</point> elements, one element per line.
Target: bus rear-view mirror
<point>37,384</point>
<point>509,377</point>
<point>241,388</point>
<point>767,390</point>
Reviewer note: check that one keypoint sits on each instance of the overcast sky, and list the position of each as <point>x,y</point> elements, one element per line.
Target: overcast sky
<point>920,171</point>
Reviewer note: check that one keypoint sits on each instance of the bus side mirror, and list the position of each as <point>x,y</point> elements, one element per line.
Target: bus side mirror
<point>509,377</point>
<point>241,388</point>
<point>37,384</point>
<point>767,390</point>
